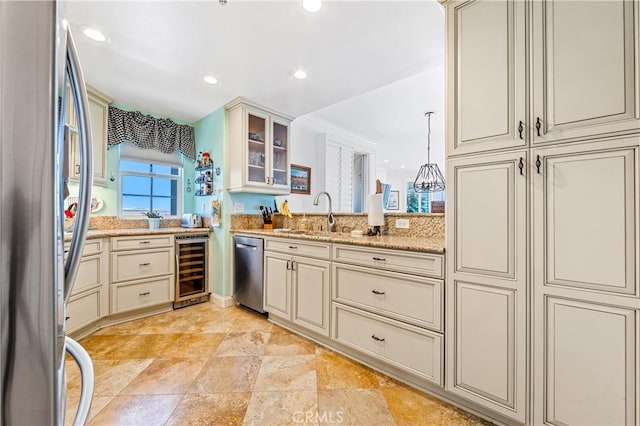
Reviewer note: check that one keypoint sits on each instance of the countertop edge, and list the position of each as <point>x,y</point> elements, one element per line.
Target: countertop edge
<point>105,233</point>
<point>414,244</point>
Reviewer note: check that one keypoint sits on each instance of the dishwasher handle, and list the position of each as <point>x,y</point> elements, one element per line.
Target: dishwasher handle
<point>246,246</point>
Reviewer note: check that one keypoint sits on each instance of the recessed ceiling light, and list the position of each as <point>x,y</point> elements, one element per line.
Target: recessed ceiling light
<point>402,167</point>
<point>210,79</point>
<point>300,74</point>
<point>94,34</point>
<point>385,161</point>
<point>312,5</point>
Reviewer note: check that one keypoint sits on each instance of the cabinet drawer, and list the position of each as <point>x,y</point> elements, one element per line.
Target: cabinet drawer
<point>404,297</point>
<point>90,248</point>
<point>413,349</point>
<point>131,265</point>
<point>299,248</point>
<point>83,309</point>
<point>89,274</point>
<point>392,260</point>
<point>139,294</point>
<point>141,242</point>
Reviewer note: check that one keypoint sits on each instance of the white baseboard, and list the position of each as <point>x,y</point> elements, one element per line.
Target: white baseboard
<point>222,301</point>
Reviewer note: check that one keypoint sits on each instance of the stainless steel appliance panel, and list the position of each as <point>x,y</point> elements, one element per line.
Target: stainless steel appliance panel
<point>248,272</point>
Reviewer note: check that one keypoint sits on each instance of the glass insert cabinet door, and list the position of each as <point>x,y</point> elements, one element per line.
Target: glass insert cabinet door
<point>280,154</point>
<point>257,151</point>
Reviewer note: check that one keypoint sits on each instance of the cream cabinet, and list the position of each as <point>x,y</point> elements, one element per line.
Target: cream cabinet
<point>585,71</point>
<point>586,283</point>
<point>259,144</point>
<point>582,78</point>
<point>486,97</point>
<point>89,297</point>
<point>388,304</point>
<point>99,115</point>
<point>142,272</point>
<point>487,281</point>
<point>297,286</point>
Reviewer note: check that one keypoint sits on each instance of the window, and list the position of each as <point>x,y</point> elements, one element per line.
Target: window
<point>149,184</point>
<point>417,202</point>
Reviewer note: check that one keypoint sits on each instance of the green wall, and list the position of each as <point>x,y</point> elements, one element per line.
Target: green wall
<point>210,137</point>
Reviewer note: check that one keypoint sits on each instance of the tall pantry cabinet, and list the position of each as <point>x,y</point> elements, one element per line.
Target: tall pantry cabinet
<point>543,140</point>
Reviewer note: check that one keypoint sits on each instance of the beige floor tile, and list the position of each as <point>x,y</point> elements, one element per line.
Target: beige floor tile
<point>243,344</point>
<point>137,410</point>
<point>410,407</point>
<point>164,324</point>
<point>210,409</point>
<point>227,374</point>
<point>385,381</point>
<point>125,328</point>
<point>111,376</point>
<point>166,376</point>
<point>105,347</point>
<point>245,324</point>
<point>194,345</point>
<point>209,325</point>
<point>289,344</point>
<point>287,373</point>
<point>338,372</point>
<point>144,346</point>
<point>282,408</point>
<point>97,404</point>
<point>353,407</point>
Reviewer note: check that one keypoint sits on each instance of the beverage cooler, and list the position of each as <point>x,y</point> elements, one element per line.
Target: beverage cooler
<point>192,274</point>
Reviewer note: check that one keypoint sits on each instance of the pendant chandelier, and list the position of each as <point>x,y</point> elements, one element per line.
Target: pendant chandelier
<point>430,178</point>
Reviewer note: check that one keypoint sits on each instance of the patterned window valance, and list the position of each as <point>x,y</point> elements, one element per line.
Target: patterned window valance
<point>148,132</point>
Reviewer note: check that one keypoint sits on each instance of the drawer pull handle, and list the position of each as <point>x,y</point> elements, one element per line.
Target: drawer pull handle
<point>146,293</point>
<point>379,259</point>
<point>377,292</point>
<point>293,247</point>
<point>145,264</point>
<point>376,338</point>
<point>66,318</point>
<point>144,242</point>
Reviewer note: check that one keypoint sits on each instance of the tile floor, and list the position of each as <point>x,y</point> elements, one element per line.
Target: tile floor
<point>203,365</point>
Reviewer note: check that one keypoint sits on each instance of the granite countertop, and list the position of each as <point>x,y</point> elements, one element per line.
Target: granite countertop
<point>103,233</point>
<point>419,244</point>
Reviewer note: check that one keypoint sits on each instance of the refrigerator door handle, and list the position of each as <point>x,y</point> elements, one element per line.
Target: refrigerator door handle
<point>86,167</point>
<point>83,360</point>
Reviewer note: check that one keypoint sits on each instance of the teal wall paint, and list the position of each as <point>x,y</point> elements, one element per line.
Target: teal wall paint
<point>210,137</point>
<point>109,193</point>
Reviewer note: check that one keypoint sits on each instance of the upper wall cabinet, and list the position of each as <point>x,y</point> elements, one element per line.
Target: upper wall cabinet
<point>583,79</point>
<point>259,149</point>
<point>486,75</point>
<point>99,115</point>
<point>585,72</point>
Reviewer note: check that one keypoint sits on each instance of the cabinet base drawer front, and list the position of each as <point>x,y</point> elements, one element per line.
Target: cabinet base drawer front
<point>409,348</point>
<point>89,274</point>
<point>405,297</point>
<point>298,248</point>
<point>140,264</point>
<point>83,309</point>
<point>90,248</point>
<point>141,242</point>
<point>391,260</point>
<point>135,295</point>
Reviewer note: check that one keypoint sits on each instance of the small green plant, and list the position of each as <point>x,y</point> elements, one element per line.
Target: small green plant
<point>153,214</point>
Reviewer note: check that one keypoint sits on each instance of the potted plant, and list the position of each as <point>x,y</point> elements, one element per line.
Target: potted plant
<point>154,218</point>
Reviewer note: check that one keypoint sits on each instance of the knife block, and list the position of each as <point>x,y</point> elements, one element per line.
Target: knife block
<point>267,226</point>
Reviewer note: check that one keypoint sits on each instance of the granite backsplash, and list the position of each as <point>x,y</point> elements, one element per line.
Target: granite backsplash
<point>420,225</point>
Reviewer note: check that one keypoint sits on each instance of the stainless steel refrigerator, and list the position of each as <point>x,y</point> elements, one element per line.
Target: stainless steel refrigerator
<point>37,56</point>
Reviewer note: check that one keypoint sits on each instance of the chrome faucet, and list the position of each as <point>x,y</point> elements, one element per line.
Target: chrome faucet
<point>331,222</point>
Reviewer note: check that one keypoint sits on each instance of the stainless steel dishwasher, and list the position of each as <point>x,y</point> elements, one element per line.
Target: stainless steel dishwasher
<point>248,272</point>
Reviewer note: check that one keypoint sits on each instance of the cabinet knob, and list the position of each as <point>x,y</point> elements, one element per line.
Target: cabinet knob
<point>538,163</point>
<point>538,125</point>
<point>521,166</point>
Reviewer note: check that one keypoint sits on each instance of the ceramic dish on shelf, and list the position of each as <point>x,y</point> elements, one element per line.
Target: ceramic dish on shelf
<point>96,204</point>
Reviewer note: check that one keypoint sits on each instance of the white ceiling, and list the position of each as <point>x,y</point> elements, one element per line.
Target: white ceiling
<point>159,51</point>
